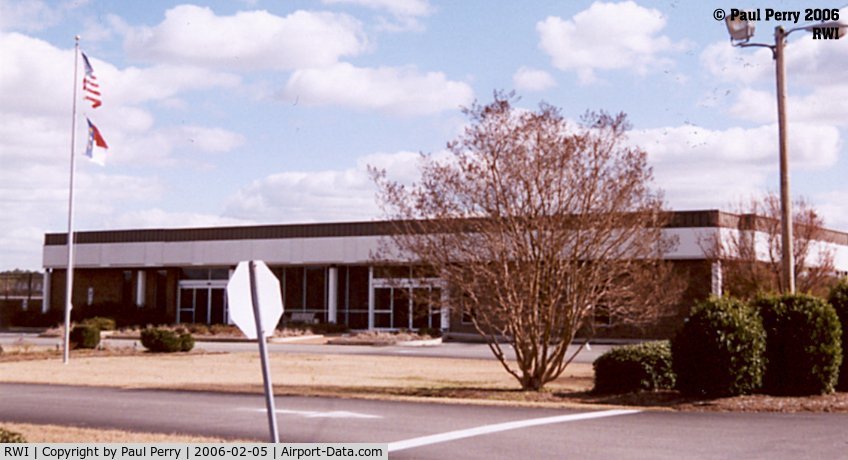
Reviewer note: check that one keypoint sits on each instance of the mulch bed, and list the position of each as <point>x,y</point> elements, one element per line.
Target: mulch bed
<point>671,400</point>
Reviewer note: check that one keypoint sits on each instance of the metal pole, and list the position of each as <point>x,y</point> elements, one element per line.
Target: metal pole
<point>263,353</point>
<point>69,279</point>
<point>788,262</point>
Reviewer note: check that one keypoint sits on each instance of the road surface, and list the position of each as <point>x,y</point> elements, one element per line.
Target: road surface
<point>431,431</point>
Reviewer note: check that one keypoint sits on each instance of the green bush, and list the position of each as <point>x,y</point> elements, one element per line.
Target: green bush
<point>838,298</point>
<point>186,341</point>
<point>85,336</point>
<point>160,340</point>
<point>803,344</point>
<point>7,436</point>
<point>646,366</point>
<point>100,322</point>
<point>720,349</point>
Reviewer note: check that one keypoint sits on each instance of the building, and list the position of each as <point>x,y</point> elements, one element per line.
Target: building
<point>326,271</point>
<point>20,293</point>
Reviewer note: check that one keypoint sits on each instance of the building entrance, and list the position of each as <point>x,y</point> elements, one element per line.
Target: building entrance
<point>407,304</point>
<point>202,302</point>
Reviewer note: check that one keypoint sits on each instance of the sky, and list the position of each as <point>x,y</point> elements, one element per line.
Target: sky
<point>246,112</point>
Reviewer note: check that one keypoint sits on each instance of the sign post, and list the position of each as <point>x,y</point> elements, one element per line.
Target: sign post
<point>255,305</point>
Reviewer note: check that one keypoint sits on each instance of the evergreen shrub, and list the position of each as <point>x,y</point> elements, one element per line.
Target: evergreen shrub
<point>85,336</point>
<point>803,344</point>
<point>159,340</point>
<point>720,349</point>
<point>838,298</point>
<point>646,366</point>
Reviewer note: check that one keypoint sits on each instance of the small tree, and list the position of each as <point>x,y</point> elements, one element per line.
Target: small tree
<point>533,223</point>
<point>752,257</point>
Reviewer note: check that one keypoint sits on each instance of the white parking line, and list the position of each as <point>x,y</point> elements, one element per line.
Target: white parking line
<point>498,427</point>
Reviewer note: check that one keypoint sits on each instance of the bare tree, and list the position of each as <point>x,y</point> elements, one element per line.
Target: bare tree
<point>533,223</point>
<point>751,257</point>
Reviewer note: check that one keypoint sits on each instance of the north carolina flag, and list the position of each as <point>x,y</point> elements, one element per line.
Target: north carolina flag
<point>90,87</point>
<point>95,138</point>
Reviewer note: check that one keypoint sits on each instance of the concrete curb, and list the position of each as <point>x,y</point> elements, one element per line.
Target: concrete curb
<point>421,343</point>
<point>376,343</point>
<point>296,338</point>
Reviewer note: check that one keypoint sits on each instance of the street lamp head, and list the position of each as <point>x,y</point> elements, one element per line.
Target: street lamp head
<point>740,30</point>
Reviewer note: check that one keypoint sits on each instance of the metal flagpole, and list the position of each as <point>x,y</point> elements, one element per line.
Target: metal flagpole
<point>69,280</point>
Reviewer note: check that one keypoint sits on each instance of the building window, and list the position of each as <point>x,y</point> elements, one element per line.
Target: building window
<point>602,316</point>
<point>205,274</point>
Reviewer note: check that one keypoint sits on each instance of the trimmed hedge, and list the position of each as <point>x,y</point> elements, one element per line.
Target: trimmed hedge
<point>720,349</point>
<point>803,344</point>
<point>85,336</point>
<point>838,298</point>
<point>166,341</point>
<point>646,366</point>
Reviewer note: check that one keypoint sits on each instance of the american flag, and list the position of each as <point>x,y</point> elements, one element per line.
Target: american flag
<point>90,87</point>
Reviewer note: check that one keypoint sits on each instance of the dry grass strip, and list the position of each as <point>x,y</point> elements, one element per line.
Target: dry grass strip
<point>241,372</point>
<point>56,433</point>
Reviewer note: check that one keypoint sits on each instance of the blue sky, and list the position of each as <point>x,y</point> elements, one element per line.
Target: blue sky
<point>240,112</point>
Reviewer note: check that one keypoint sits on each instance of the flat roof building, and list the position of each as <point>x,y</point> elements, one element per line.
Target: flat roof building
<point>326,271</point>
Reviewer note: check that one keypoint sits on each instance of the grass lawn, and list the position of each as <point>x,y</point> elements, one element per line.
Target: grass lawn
<point>302,374</point>
<point>57,433</point>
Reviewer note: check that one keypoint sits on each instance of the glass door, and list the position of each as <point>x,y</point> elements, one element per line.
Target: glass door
<point>202,302</point>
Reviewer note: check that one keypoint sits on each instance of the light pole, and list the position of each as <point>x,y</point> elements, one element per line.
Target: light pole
<point>741,32</point>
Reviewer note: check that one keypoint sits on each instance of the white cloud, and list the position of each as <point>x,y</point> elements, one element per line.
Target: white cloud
<point>809,62</point>
<point>35,121</point>
<point>135,85</point>
<point>329,195</point>
<point>193,35</point>
<point>823,105</point>
<point>410,8</point>
<point>34,201</point>
<point>597,39</point>
<point>735,65</point>
<point>159,218</point>
<point>35,76</point>
<point>29,15</point>
<point>214,140</point>
<point>403,91</point>
<point>527,79</point>
<point>700,168</point>
<point>833,206</point>
<point>405,13</point>
<point>815,95</point>
<point>35,115</point>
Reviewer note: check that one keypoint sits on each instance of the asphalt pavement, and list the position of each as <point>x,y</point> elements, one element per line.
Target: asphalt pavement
<point>429,430</point>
